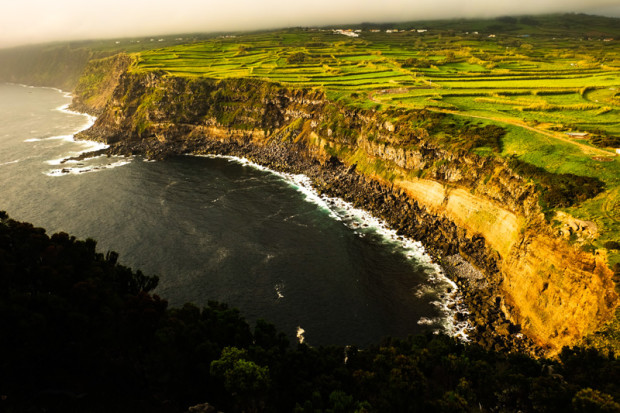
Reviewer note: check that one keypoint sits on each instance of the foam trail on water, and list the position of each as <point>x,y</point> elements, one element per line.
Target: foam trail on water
<point>300,182</point>
<point>83,146</point>
<point>85,169</point>
<point>90,146</point>
<point>58,161</point>
<point>10,162</point>
<point>40,87</point>
<point>66,138</point>
<point>90,120</point>
<point>364,224</point>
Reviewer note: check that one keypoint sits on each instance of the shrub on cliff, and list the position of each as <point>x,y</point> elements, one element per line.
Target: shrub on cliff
<point>478,137</point>
<point>612,245</point>
<point>297,58</point>
<point>558,190</point>
<point>604,140</point>
<point>419,63</point>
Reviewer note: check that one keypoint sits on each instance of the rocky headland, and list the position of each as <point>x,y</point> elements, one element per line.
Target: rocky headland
<point>527,288</point>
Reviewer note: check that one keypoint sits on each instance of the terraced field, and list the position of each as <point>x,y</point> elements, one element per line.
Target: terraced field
<point>537,87</point>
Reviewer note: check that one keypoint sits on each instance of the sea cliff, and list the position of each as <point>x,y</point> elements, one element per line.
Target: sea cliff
<point>526,286</point>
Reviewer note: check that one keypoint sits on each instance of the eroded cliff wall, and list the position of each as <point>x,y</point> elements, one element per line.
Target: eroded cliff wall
<point>454,201</point>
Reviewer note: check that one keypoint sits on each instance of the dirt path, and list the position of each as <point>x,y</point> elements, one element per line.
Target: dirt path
<point>586,149</point>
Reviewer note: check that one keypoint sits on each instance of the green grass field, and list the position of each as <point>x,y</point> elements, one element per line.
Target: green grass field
<point>527,80</point>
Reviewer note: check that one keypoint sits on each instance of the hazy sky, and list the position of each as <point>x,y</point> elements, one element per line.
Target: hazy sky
<point>34,21</point>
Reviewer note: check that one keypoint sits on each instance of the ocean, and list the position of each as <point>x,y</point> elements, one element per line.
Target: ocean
<point>218,228</point>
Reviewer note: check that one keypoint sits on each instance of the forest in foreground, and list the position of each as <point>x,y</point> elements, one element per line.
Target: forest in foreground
<point>82,333</point>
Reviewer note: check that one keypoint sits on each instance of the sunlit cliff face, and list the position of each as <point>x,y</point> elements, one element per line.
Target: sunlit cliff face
<point>39,21</point>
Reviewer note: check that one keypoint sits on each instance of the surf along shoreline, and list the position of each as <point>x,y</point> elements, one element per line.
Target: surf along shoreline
<point>455,320</point>
<point>480,310</point>
<point>458,204</point>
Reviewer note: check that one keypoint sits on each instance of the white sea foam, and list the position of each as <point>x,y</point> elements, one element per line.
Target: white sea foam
<point>363,223</point>
<point>34,87</point>
<point>86,169</point>
<point>65,94</point>
<point>90,146</point>
<point>90,120</point>
<point>300,182</point>
<point>67,161</point>
<point>58,161</point>
<point>84,147</point>
<point>66,138</point>
<point>10,162</point>
<point>77,147</point>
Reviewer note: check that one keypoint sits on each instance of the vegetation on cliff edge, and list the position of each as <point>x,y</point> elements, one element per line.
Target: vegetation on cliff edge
<point>537,78</point>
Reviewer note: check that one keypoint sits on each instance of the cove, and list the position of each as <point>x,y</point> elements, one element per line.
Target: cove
<point>214,229</point>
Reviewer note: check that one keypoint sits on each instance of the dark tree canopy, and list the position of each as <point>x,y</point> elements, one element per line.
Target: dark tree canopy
<point>81,333</point>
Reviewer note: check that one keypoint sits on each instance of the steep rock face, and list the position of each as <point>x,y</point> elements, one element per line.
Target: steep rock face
<point>454,202</point>
<point>547,273</point>
<point>97,83</point>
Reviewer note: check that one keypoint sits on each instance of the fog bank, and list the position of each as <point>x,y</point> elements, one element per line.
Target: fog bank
<point>37,21</point>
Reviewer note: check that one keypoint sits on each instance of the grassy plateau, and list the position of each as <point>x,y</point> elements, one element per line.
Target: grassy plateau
<point>538,78</point>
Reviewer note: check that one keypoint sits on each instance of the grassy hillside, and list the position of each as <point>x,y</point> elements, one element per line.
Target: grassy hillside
<point>538,78</point>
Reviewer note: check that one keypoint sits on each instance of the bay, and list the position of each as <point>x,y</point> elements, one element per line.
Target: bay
<point>218,229</point>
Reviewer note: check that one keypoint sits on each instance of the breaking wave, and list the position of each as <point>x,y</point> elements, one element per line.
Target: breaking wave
<point>364,224</point>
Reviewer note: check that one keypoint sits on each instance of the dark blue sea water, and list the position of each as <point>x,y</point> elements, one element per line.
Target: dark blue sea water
<point>219,229</point>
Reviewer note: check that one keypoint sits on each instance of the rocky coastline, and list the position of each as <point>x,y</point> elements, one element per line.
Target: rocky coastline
<point>457,203</point>
<point>443,240</point>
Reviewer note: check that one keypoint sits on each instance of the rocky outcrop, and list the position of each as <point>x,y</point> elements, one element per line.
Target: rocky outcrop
<point>453,201</point>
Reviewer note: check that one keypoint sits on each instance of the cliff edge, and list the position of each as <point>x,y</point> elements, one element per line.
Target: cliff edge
<point>459,204</point>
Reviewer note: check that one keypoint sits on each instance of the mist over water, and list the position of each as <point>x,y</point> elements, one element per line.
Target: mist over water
<point>217,229</point>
